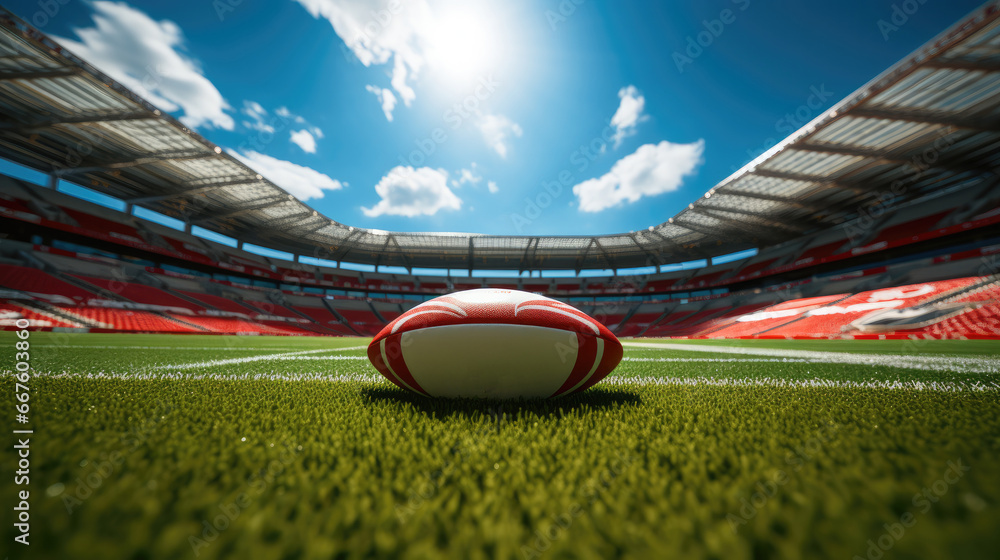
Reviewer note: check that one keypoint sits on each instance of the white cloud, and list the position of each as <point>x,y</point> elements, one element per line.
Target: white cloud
<point>301,182</point>
<point>305,140</point>
<point>385,98</point>
<point>629,114</point>
<point>653,169</point>
<point>467,176</point>
<point>377,36</point>
<point>497,130</point>
<point>454,43</point>
<point>410,192</point>
<point>263,122</point>
<point>492,186</point>
<point>254,110</point>
<point>146,56</point>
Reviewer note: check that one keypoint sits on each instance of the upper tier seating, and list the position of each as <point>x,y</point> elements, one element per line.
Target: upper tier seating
<point>102,225</point>
<point>821,251</point>
<point>910,228</point>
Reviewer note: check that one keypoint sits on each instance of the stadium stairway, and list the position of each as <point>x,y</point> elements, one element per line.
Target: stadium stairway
<point>672,317</point>
<point>181,321</point>
<point>620,327</point>
<point>340,317</point>
<point>377,314</point>
<point>666,312</point>
<point>312,325</point>
<point>69,278</point>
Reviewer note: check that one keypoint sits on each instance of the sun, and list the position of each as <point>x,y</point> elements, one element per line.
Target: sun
<point>463,46</point>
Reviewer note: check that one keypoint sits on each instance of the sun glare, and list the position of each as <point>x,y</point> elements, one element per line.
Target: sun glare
<point>464,47</point>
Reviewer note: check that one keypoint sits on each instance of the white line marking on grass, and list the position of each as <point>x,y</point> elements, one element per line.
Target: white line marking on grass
<point>247,359</point>
<point>929,363</point>
<point>937,386</point>
<point>365,358</point>
<point>612,380</point>
<point>108,347</point>
<point>245,376</point>
<point>720,360</point>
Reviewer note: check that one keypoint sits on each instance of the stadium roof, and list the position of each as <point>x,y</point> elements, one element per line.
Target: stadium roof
<point>930,122</point>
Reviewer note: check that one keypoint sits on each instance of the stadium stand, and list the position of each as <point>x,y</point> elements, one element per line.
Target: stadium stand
<point>129,320</point>
<point>831,254</point>
<point>217,302</point>
<point>41,285</point>
<point>10,313</point>
<point>139,293</point>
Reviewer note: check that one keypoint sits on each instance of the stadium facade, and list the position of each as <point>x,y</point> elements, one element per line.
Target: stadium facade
<point>876,219</point>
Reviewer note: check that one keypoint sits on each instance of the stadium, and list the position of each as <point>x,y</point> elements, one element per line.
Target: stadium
<point>811,358</point>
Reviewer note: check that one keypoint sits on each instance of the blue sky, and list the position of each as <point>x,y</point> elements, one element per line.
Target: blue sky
<point>555,117</point>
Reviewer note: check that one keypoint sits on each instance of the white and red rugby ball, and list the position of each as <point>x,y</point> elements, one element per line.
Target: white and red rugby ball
<point>496,344</point>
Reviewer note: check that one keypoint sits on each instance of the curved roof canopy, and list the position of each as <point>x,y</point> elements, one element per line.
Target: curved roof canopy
<point>930,122</point>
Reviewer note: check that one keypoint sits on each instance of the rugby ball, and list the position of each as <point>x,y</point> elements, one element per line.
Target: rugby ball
<point>494,343</point>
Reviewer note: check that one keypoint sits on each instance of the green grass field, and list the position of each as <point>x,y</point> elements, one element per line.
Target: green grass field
<point>149,446</point>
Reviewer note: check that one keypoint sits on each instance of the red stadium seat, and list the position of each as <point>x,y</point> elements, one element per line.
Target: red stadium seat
<point>763,320</point>
<point>231,325</point>
<point>910,228</point>
<point>218,302</point>
<point>268,308</point>
<point>820,251</point>
<point>325,319</point>
<point>140,293</point>
<point>34,281</point>
<point>105,226</point>
<point>130,320</point>
<point>10,314</point>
